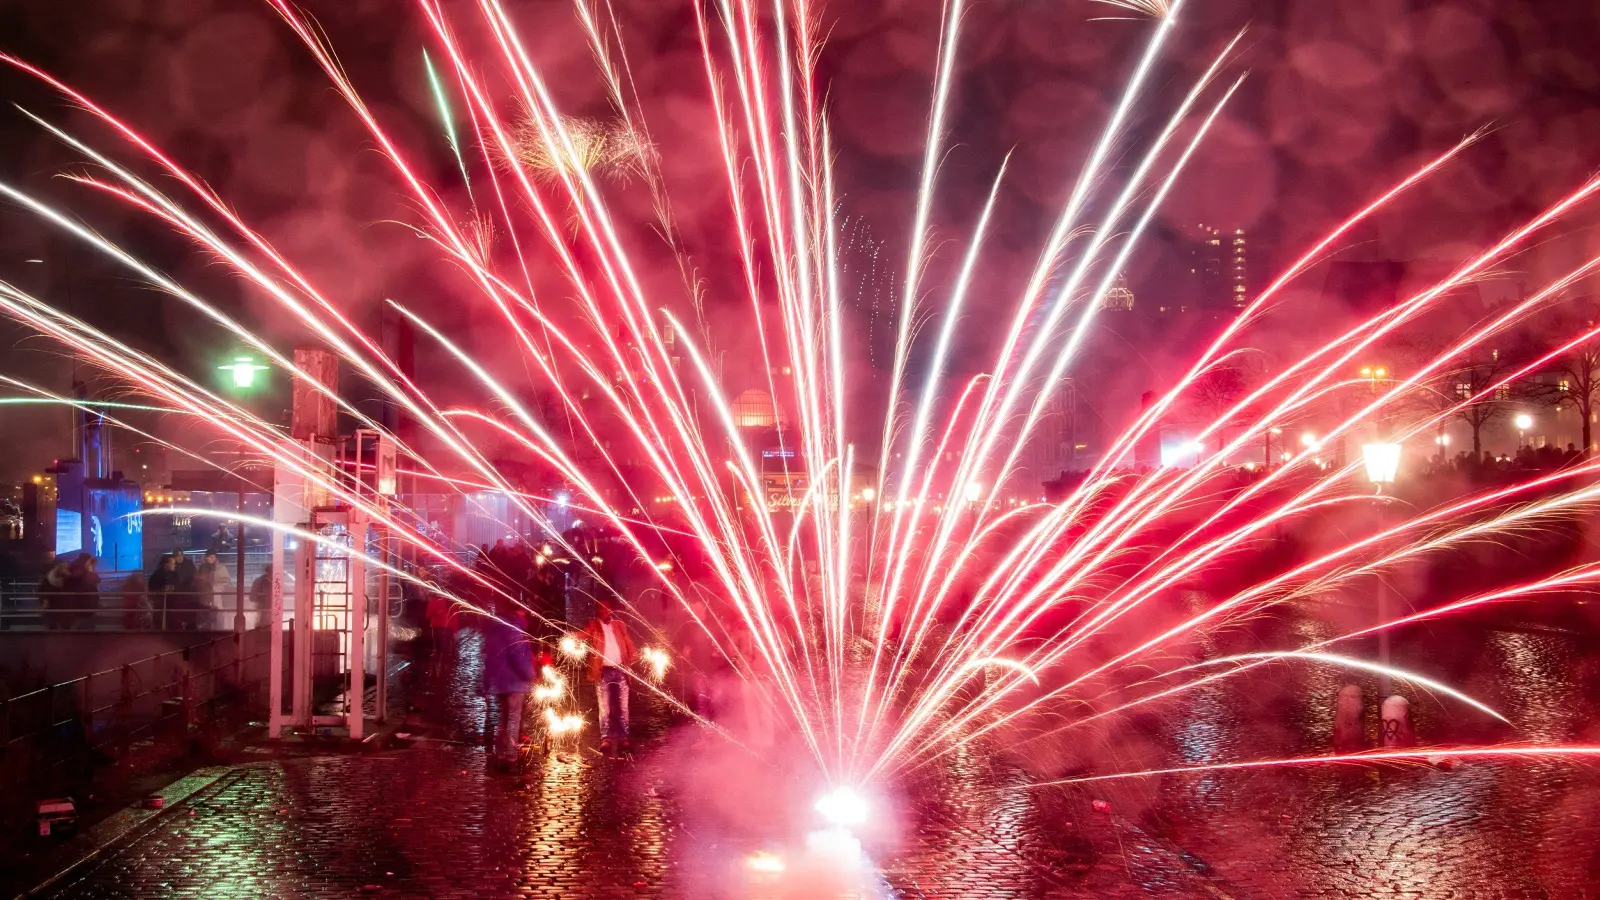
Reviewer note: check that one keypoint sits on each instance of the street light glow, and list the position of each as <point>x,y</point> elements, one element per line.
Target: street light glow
<point>1382,462</point>
<point>244,371</point>
<point>1524,421</point>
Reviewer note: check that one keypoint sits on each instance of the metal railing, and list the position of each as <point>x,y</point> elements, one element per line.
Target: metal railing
<point>52,736</point>
<point>27,610</point>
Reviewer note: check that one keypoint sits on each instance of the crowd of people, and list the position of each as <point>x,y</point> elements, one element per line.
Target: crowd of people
<point>69,593</point>
<point>179,595</point>
<point>529,634</point>
<point>1527,458</point>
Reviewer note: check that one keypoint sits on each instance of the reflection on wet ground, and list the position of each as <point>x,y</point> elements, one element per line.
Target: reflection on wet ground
<point>683,818</point>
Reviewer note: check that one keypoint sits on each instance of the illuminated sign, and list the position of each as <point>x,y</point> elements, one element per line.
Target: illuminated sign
<point>69,531</point>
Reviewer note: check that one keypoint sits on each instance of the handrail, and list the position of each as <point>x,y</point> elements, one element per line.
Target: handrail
<point>60,684</point>
<point>117,720</point>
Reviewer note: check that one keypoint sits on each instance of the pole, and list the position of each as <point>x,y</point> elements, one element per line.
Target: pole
<point>275,641</point>
<point>1383,638</point>
<point>238,587</point>
<point>355,698</point>
<point>1383,617</point>
<point>383,619</point>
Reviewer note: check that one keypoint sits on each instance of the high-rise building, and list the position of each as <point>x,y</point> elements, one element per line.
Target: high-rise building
<point>1219,260</point>
<point>1238,270</point>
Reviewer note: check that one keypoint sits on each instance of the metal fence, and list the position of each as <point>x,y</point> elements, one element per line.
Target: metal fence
<point>52,737</point>
<point>24,609</point>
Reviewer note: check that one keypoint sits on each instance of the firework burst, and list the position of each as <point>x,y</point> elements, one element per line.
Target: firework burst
<point>610,150</point>
<point>894,602</point>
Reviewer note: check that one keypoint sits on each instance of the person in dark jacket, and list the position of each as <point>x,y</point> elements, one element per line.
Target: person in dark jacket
<point>83,585</point>
<point>163,592</point>
<point>135,602</point>
<point>508,675</point>
<point>186,596</point>
<point>51,589</point>
<point>698,658</point>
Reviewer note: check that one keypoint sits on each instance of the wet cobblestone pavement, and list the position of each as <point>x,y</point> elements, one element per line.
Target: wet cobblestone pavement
<point>429,821</point>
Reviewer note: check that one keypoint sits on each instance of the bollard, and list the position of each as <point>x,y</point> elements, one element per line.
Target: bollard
<point>1348,734</point>
<point>1397,730</point>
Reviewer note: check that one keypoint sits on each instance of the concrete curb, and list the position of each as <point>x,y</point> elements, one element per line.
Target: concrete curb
<point>89,845</point>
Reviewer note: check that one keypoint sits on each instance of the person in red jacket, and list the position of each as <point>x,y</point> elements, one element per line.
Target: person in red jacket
<point>610,651</point>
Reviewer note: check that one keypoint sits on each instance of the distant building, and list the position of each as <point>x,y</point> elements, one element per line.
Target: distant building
<point>1364,286</point>
<point>1057,443</point>
<point>1219,260</point>
<point>1119,297</point>
<point>97,511</point>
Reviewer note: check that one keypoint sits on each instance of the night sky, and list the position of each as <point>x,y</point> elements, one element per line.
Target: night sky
<point>1341,98</point>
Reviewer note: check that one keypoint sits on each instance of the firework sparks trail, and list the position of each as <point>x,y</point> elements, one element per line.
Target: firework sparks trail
<point>1424,755</point>
<point>1187,563</point>
<point>833,599</point>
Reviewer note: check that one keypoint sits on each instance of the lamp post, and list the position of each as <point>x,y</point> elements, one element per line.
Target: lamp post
<point>242,372</point>
<point>1524,422</point>
<point>1383,464</point>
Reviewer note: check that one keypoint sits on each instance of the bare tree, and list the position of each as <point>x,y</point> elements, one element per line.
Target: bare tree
<point>1215,392</point>
<point>1454,391</point>
<point>1460,390</point>
<point>1573,380</point>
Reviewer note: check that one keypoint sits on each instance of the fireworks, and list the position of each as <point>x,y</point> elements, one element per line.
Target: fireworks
<point>842,807</point>
<point>938,607</point>
<point>591,147</point>
<point>573,648</point>
<point>560,725</point>
<point>551,689</point>
<point>657,662</point>
<point>1155,9</point>
<point>765,863</point>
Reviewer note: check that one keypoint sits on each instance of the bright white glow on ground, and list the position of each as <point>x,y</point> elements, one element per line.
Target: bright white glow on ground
<point>843,807</point>
<point>836,845</point>
<point>762,861</point>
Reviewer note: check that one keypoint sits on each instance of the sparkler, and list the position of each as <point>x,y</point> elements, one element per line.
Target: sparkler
<point>658,662</point>
<point>551,689</point>
<point>890,631</point>
<point>574,648</point>
<point>561,726</point>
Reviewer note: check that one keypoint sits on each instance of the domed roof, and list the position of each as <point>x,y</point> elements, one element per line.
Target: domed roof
<point>754,409</point>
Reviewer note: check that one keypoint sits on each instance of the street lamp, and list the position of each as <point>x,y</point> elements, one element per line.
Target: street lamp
<point>243,371</point>
<point>1383,464</point>
<point>1524,422</point>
